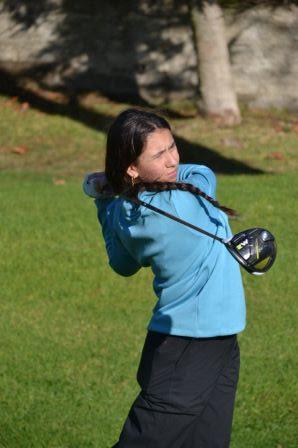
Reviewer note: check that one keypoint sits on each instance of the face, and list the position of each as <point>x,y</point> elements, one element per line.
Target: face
<point>159,159</point>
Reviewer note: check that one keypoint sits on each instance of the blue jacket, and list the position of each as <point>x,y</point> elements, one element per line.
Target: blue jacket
<point>196,280</point>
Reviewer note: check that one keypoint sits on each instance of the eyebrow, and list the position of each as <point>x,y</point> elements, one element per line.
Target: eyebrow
<point>165,149</point>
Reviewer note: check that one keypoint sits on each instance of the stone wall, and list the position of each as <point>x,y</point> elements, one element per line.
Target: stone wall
<point>147,50</point>
<point>264,57</point>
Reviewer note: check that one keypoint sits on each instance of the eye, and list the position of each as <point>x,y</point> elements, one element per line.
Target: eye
<point>158,155</point>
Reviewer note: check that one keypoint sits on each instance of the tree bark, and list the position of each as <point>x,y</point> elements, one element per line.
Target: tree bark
<point>217,95</point>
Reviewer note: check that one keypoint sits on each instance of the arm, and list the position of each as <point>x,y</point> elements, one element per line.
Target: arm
<point>200,176</point>
<point>120,259</point>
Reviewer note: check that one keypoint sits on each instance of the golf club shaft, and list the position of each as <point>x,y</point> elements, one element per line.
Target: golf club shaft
<point>175,218</point>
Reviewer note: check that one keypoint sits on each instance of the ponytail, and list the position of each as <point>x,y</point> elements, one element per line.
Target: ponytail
<point>183,186</point>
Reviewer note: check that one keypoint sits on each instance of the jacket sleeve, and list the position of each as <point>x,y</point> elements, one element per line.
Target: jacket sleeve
<point>200,176</point>
<point>120,260</point>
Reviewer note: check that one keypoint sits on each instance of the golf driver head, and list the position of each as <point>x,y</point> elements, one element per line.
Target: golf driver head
<point>255,249</point>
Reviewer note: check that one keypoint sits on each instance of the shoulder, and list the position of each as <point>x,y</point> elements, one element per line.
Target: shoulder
<point>200,176</point>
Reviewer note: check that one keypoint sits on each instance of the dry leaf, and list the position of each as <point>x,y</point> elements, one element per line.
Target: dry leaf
<point>283,126</point>
<point>56,97</point>
<point>276,155</point>
<point>278,127</point>
<point>24,107</point>
<point>12,103</point>
<point>21,150</point>
<point>59,181</point>
<point>232,142</point>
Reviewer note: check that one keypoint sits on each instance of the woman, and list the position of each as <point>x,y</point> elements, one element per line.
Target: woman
<point>189,366</point>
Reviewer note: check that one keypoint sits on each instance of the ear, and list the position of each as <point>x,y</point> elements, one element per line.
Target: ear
<point>132,171</point>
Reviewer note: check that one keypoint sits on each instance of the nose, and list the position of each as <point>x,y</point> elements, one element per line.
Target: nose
<point>171,158</point>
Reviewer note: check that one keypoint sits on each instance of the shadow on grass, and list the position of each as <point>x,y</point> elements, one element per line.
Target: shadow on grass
<point>69,104</point>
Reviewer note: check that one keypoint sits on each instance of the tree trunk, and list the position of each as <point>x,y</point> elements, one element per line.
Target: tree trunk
<point>217,95</point>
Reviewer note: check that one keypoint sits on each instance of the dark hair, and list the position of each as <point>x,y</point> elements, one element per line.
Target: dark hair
<point>182,186</point>
<point>126,139</point>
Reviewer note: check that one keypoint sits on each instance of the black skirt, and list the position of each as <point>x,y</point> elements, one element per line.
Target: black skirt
<point>188,388</point>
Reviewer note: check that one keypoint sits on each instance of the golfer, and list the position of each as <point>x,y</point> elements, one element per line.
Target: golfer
<point>189,367</point>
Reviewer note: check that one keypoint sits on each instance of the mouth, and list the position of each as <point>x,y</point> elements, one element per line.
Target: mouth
<point>173,175</point>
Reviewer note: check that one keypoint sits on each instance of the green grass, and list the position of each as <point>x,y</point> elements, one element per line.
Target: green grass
<point>72,330</point>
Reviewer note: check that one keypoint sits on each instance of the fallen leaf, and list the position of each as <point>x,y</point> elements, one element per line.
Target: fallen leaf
<point>278,127</point>
<point>11,100</point>
<point>276,155</point>
<point>12,103</point>
<point>21,150</point>
<point>227,119</point>
<point>24,107</point>
<point>295,127</point>
<point>232,142</point>
<point>282,126</point>
<point>56,97</point>
<point>59,181</point>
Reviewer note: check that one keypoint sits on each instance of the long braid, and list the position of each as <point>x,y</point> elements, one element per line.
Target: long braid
<point>183,186</point>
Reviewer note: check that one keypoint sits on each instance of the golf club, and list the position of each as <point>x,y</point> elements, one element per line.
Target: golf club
<point>255,248</point>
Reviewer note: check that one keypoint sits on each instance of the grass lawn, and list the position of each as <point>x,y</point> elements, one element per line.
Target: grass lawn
<point>72,330</point>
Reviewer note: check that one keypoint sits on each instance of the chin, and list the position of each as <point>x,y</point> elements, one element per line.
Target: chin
<point>172,178</point>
